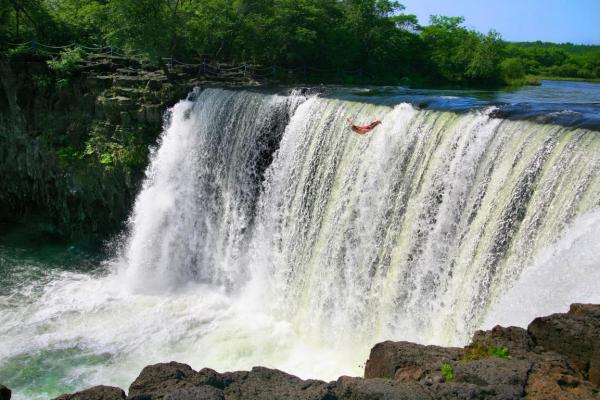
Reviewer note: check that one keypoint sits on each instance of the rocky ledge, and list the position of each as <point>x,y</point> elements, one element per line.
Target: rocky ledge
<point>557,357</point>
<point>74,145</point>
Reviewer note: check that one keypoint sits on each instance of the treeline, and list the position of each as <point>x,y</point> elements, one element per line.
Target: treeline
<point>555,60</point>
<point>374,37</point>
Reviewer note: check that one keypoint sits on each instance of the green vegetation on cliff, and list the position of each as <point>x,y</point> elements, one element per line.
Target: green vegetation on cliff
<point>358,40</point>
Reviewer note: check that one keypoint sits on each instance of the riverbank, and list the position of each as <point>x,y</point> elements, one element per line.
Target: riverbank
<point>562,78</point>
<point>556,357</point>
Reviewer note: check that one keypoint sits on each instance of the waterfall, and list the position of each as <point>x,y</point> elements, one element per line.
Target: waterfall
<point>412,232</point>
<point>191,221</point>
<point>268,233</point>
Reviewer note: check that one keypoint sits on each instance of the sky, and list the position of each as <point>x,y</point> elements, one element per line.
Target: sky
<point>575,21</point>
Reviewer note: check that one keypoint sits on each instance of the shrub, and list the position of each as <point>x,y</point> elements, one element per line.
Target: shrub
<point>42,82</point>
<point>67,62</point>
<point>447,372</point>
<point>478,351</point>
<point>512,69</point>
<point>500,352</point>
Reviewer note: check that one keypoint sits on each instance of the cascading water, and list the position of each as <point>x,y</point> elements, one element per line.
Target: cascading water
<point>191,221</point>
<point>267,233</point>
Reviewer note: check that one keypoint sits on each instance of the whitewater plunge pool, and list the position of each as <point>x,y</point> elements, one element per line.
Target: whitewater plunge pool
<point>268,234</point>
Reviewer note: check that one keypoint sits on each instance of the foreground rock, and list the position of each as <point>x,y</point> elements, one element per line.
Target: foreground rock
<point>555,358</point>
<point>96,393</point>
<point>5,393</point>
<point>575,334</point>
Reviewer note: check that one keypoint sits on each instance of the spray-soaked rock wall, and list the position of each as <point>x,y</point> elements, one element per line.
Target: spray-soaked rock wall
<point>74,145</point>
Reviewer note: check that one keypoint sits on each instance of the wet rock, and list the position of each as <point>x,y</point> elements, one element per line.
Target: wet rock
<point>204,392</point>
<point>96,393</point>
<point>407,361</point>
<point>152,113</point>
<point>207,376</point>
<point>348,388</point>
<point>158,380</point>
<point>271,384</point>
<point>462,391</point>
<point>506,379</point>
<point>516,340</point>
<point>552,377</point>
<point>5,393</point>
<point>575,334</point>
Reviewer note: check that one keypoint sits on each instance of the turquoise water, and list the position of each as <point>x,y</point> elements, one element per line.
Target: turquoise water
<point>28,254</point>
<point>30,260</point>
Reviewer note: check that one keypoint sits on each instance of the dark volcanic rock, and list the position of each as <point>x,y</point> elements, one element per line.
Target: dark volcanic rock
<point>5,393</point>
<point>553,377</point>
<point>204,392</point>
<point>575,334</point>
<point>156,381</point>
<point>348,388</point>
<point>96,393</point>
<point>500,378</point>
<point>407,361</point>
<point>207,376</point>
<point>516,340</point>
<point>461,391</point>
<point>271,384</point>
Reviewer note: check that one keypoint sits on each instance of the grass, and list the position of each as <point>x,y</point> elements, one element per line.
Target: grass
<point>447,372</point>
<point>528,80</point>
<point>479,351</point>
<point>536,80</point>
<point>562,78</point>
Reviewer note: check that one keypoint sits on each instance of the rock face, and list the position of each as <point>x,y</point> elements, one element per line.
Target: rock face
<point>407,361</point>
<point>96,393</point>
<point>554,359</point>
<point>155,381</point>
<point>73,148</point>
<point>575,334</point>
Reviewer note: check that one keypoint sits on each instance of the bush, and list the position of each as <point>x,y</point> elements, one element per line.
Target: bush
<point>478,351</point>
<point>68,61</point>
<point>42,82</point>
<point>447,372</point>
<point>512,69</point>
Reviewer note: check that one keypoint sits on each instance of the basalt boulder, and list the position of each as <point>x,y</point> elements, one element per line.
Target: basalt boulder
<point>271,384</point>
<point>158,380</point>
<point>5,393</point>
<point>575,335</point>
<point>516,340</point>
<point>203,392</point>
<point>348,388</point>
<point>407,361</point>
<point>96,393</point>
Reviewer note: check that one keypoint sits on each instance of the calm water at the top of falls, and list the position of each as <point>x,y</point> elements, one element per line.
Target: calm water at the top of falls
<point>563,102</point>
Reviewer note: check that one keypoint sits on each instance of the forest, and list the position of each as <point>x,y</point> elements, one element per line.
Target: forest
<point>377,39</point>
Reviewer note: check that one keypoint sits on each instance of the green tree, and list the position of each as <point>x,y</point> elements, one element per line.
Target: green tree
<point>512,69</point>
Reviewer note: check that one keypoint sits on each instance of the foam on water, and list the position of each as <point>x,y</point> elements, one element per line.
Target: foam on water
<point>566,272</point>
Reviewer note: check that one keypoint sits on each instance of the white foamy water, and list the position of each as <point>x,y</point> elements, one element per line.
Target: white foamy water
<point>561,274</point>
<point>267,233</point>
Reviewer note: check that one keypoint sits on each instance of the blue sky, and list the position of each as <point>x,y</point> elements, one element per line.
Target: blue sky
<point>575,21</point>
